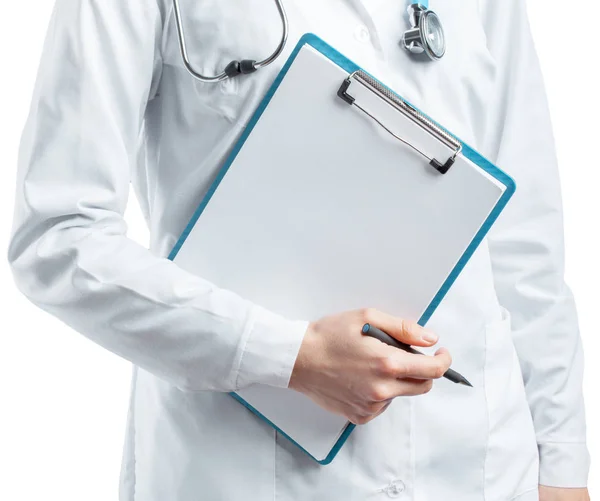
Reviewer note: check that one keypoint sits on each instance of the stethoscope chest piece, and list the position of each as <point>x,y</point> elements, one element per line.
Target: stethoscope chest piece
<point>426,34</point>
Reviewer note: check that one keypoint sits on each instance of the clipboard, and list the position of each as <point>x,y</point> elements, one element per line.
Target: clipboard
<point>332,161</point>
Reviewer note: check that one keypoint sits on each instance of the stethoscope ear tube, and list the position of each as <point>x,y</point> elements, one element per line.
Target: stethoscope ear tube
<point>234,68</point>
<point>425,35</point>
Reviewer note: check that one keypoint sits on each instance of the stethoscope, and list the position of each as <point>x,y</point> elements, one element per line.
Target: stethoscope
<point>425,36</point>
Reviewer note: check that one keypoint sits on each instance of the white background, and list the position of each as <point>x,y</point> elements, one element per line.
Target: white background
<point>63,400</point>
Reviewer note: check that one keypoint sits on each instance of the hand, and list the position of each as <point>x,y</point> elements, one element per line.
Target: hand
<point>357,376</point>
<point>563,494</point>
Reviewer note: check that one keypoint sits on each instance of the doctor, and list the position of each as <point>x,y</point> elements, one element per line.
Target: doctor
<point>114,103</point>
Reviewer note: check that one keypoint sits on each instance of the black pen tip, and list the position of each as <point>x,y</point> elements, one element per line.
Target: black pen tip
<point>465,382</point>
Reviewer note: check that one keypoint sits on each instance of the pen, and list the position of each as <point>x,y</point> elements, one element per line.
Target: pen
<point>376,333</point>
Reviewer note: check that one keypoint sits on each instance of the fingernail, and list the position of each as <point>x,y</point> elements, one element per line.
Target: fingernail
<point>429,337</point>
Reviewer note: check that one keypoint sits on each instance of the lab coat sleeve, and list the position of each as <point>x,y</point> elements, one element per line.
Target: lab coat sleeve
<point>527,250</point>
<point>69,252</point>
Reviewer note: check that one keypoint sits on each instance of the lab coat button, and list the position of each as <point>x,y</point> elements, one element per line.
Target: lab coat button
<point>362,34</point>
<point>395,488</point>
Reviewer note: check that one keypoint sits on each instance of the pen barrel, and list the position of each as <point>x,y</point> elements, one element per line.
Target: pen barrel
<point>378,334</point>
<point>374,332</point>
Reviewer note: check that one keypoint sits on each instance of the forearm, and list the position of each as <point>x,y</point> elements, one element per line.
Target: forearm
<point>527,248</point>
<point>147,310</point>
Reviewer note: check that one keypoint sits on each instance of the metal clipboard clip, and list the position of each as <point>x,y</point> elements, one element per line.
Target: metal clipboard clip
<point>408,111</point>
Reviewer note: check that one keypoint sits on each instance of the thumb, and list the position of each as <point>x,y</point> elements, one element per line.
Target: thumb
<point>406,331</point>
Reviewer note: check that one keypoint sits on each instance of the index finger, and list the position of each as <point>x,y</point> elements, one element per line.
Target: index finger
<point>403,330</point>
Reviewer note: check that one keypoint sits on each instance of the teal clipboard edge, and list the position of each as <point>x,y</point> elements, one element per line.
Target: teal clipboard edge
<point>347,65</point>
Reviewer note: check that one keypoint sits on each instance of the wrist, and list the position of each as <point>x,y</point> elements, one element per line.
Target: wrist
<point>563,494</point>
<point>305,359</point>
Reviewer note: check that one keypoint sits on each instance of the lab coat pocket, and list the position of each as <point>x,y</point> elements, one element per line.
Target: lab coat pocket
<point>212,100</point>
<point>511,465</point>
<point>222,99</point>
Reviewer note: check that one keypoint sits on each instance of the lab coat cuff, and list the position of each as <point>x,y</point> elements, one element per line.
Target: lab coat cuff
<point>564,464</point>
<point>270,350</point>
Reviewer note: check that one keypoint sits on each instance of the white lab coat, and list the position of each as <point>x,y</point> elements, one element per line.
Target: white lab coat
<point>113,104</point>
